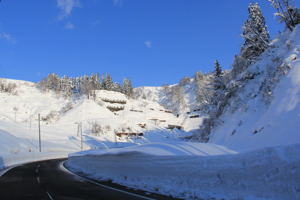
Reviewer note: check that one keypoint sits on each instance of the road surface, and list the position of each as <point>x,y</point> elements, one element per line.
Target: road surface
<point>50,181</point>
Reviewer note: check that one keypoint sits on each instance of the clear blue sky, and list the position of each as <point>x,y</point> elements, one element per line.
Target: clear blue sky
<point>152,42</point>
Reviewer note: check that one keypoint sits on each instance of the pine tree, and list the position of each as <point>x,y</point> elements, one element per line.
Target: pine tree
<point>286,12</point>
<point>218,77</point>
<point>255,34</point>
<point>218,69</point>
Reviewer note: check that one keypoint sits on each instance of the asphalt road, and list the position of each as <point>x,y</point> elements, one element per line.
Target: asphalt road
<point>48,180</point>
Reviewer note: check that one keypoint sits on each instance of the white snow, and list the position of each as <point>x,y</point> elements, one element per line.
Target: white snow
<point>19,123</point>
<point>256,125</point>
<point>264,162</point>
<point>271,173</point>
<point>253,153</point>
<point>174,148</point>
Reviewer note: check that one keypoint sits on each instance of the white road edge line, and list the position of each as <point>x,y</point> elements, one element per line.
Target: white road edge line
<point>61,165</point>
<point>5,170</point>
<point>50,197</point>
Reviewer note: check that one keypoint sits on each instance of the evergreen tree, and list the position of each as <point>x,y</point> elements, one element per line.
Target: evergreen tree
<point>218,77</point>
<point>116,87</point>
<point>286,12</point>
<point>107,83</point>
<point>255,34</point>
<point>218,69</point>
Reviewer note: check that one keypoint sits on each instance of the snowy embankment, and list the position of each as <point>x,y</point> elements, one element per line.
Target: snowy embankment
<point>193,171</point>
<point>256,124</point>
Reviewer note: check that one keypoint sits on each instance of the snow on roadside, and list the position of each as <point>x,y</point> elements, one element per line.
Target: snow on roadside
<point>270,173</point>
<point>174,148</point>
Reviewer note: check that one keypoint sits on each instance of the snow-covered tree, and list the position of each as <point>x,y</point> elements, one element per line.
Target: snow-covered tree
<point>116,87</point>
<point>51,82</point>
<point>287,13</point>
<point>95,81</point>
<point>66,86</point>
<point>177,98</point>
<point>127,87</point>
<point>255,34</point>
<point>107,82</point>
<point>218,77</point>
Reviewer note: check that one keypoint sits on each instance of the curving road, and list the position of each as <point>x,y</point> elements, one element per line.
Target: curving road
<point>50,181</point>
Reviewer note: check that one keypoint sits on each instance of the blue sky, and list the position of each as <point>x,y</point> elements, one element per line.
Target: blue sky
<point>152,42</point>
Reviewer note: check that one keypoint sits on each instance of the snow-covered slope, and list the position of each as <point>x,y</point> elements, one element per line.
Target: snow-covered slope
<point>188,99</point>
<point>60,119</point>
<point>262,111</point>
<point>265,111</point>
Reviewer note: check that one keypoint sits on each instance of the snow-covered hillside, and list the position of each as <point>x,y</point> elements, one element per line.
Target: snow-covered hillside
<point>190,99</point>
<point>134,122</point>
<point>260,105</point>
<point>265,110</point>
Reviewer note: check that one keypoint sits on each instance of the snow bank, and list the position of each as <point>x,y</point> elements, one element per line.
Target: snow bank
<point>12,160</point>
<point>271,173</point>
<point>175,148</point>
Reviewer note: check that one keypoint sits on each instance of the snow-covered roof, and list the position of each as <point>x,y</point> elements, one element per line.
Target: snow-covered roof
<point>110,95</point>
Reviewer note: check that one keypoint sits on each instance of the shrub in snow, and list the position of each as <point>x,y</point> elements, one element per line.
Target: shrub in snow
<point>184,81</point>
<point>96,129</point>
<point>66,108</point>
<point>53,115</point>
<point>107,127</point>
<point>8,87</point>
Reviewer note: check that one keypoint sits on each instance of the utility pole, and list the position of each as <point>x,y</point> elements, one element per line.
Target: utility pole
<point>116,138</point>
<point>15,110</point>
<point>40,144</point>
<point>30,122</point>
<point>81,136</point>
<point>78,126</point>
